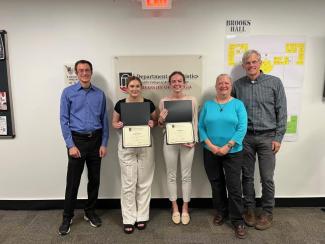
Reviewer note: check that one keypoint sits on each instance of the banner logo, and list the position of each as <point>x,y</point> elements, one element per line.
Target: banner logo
<point>123,77</point>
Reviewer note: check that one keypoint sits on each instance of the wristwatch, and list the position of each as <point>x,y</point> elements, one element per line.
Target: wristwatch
<point>229,145</point>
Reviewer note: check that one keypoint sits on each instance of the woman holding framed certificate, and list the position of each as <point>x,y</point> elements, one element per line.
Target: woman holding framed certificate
<point>222,128</point>
<point>135,153</point>
<point>185,148</point>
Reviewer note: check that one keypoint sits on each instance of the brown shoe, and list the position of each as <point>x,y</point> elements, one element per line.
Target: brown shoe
<point>240,231</point>
<point>264,221</point>
<point>249,217</point>
<point>218,219</point>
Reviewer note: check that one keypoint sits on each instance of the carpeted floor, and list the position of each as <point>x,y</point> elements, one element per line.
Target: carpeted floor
<point>291,225</point>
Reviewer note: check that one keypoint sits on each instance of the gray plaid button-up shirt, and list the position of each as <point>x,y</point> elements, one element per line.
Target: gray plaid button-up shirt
<point>265,102</point>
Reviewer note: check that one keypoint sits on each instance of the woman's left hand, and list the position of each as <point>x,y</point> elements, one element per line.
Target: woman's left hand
<point>151,123</point>
<point>223,150</point>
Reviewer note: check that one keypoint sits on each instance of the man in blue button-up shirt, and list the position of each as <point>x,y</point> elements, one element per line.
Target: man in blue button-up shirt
<point>84,125</point>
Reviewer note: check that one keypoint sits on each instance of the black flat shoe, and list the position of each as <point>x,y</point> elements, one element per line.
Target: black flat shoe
<point>128,229</point>
<point>141,225</point>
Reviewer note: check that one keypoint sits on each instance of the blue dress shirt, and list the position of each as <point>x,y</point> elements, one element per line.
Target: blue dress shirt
<point>83,111</point>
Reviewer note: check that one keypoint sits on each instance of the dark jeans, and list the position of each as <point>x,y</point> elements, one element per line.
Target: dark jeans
<point>222,172</point>
<point>89,149</point>
<point>260,145</point>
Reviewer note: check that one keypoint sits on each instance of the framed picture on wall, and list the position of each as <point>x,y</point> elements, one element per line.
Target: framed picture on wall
<point>7,129</point>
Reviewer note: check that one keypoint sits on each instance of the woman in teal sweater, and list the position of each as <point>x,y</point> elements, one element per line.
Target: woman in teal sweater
<point>222,128</point>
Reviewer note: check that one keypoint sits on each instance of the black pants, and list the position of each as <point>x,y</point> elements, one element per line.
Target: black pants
<point>222,172</point>
<point>89,150</point>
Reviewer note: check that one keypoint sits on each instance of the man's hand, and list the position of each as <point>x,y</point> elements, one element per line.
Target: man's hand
<point>102,151</point>
<point>74,152</point>
<point>276,146</point>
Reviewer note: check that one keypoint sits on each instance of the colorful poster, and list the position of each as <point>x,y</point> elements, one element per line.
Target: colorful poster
<point>282,56</point>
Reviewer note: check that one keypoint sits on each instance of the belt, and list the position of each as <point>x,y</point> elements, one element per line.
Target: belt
<point>260,132</point>
<point>88,134</point>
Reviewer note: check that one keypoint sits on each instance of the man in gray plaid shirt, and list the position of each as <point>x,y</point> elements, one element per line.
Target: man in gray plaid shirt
<point>266,105</point>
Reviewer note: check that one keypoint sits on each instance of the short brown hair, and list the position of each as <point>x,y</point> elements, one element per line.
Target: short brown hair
<point>82,61</point>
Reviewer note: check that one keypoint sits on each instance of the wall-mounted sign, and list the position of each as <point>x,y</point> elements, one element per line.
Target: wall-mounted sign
<point>238,26</point>
<point>156,4</point>
<point>70,76</point>
<point>154,71</point>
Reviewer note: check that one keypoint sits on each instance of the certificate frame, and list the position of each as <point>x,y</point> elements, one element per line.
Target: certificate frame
<point>179,110</point>
<point>134,136</point>
<point>179,133</point>
<point>135,113</point>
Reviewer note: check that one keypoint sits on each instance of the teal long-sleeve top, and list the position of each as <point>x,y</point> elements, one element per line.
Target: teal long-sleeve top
<point>221,123</point>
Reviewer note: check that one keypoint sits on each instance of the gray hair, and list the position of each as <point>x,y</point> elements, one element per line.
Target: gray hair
<point>221,75</point>
<point>250,52</point>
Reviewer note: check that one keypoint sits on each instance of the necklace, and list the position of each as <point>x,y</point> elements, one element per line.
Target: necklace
<point>224,104</point>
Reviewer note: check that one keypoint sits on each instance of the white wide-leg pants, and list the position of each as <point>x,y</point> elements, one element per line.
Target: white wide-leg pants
<point>137,170</point>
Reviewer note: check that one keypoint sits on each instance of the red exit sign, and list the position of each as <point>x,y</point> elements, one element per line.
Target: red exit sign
<point>156,4</point>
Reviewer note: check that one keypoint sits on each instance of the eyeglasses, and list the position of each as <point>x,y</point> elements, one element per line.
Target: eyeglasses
<point>252,63</point>
<point>83,71</point>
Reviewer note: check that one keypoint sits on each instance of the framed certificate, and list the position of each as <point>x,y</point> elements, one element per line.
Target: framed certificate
<point>136,131</point>
<point>179,133</point>
<point>136,136</point>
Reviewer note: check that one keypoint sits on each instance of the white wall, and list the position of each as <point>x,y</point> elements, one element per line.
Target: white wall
<point>43,35</point>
